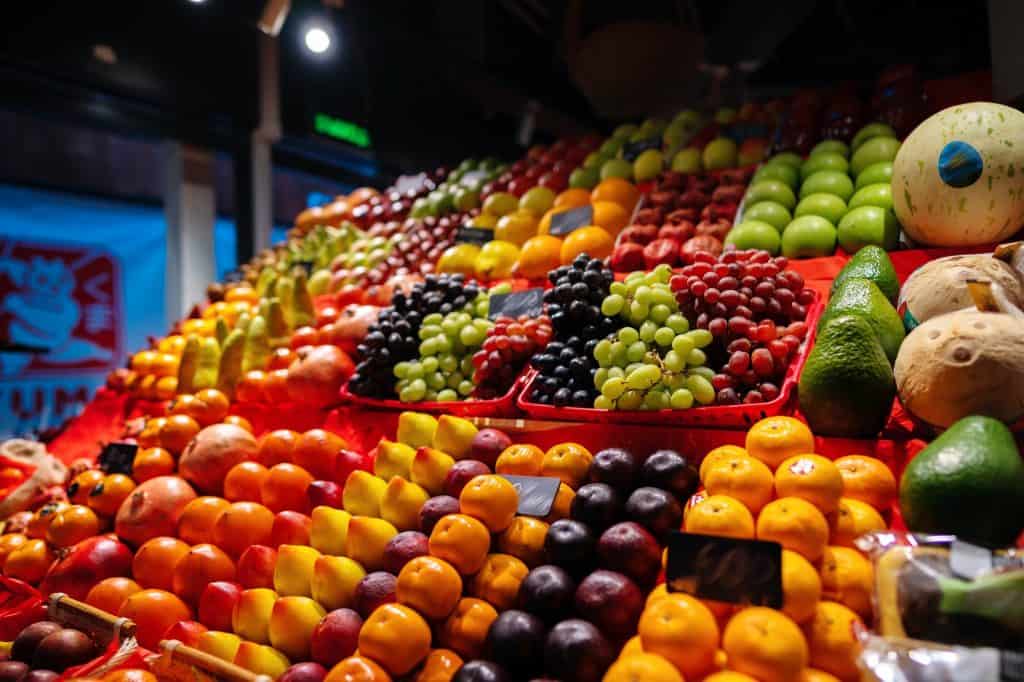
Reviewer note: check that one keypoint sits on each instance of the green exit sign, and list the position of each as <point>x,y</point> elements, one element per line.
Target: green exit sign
<point>343,130</point>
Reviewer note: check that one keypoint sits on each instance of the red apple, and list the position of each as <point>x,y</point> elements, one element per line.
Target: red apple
<point>324,494</point>
<point>255,567</point>
<point>216,603</point>
<point>188,631</point>
<point>290,528</point>
<point>336,637</point>
<point>348,461</point>
<point>85,564</point>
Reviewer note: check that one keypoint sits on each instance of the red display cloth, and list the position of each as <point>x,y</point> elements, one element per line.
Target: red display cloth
<point>101,421</point>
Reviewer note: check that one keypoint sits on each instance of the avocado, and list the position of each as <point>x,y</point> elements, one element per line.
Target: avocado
<point>861,297</point>
<point>846,386</point>
<point>968,481</point>
<point>871,262</point>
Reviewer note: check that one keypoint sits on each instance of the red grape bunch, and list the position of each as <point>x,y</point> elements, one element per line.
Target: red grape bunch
<point>510,343</point>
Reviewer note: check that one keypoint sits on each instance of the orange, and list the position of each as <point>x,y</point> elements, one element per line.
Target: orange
<point>544,226</point>
<point>867,479</point>
<point>285,488</point>
<point>110,594</point>
<point>429,585</point>
<point>562,505</point>
<point>396,637</point>
<point>619,190</point>
<point>538,256</point>
<point>610,217</point>
<point>146,388</point>
<point>498,581</point>
<point>572,198</point>
<point>242,292</point>
<point>150,463</point>
<point>165,388</point>
<point>165,365</point>
<point>795,524</point>
<point>765,644</point>
<point>524,538</point>
<point>466,629</point>
<point>632,646</point>
<point>29,561</point>
<point>282,358</point>
<point>720,515</point>
<point>569,462</point>
<point>490,499</point>
<point>317,452</point>
<point>153,612</point>
<point>154,562</point>
<point>833,642</point>
<point>212,408</point>
<point>683,630</point>
<point>174,344</point>
<point>815,675</point>
<point>186,404</point>
<point>44,516</point>
<point>177,431</point>
<point>357,669</point>
<point>8,543</point>
<point>275,387</point>
<point>520,460</point>
<point>17,522</point>
<point>591,240</point>
<point>277,447</point>
<point>202,565</point>
<point>72,525</point>
<point>773,439</point>
<point>854,518</point>
<point>239,421</point>
<point>642,668</point>
<point>810,477</point>
<point>848,577</point>
<point>721,452</point>
<point>251,387</point>
<point>83,483</point>
<point>516,227</point>
<point>659,592</point>
<point>150,435</point>
<point>801,587</point>
<point>195,525</point>
<point>142,362</point>
<point>106,498</point>
<point>728,676</point>
<point>243,482</point>
<point>440,666</point>
<point>243,524</point>
<point>743,478</point>
<point>129,675</point>
<point>462,541</point>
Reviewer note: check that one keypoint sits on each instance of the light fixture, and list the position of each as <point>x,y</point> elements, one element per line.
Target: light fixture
<point>317,39</point>
<point>197,2</point>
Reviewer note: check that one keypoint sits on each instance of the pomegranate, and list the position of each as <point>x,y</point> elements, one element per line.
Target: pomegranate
<point>704,242</point>
<point>153,509</point>
<point>317,376</point>
<point>352,324</point>
<point>211,454</point>
<point>85,564</point>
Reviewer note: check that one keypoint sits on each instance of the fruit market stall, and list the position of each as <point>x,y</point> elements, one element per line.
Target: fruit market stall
<point>669,405</point>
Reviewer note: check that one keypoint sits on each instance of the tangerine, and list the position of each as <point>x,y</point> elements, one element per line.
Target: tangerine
<point>516,227</point>
<point>277,447</point>
<point>396,637</point>
<point>632,646</point>
<point>83,483</point>
<point>242,292</point>
<point>538,256</point>
<point>243,524</point>
<point>521,459</point>
<point>490,499</point>
<point>765,644</point>
<point>499,579</point>
<point>439,666</point>
<point>569,462</point>
<point>642,667</point>
<point>462,541</point>
<point>831,636</point>
<point>610,217</point>
<point>743,478</point>
<point>29,561</point>
<point>239,421</point>
<point>561,508</point>
<point>165,365</point>
<point>524,538</point>
<point>251,388</point>
<point>618,190</point>
<point>867,479</point>
<point>106,498</point>
<point>721,452</point>
<point>317,452</point>
<point>165,388</point>
<point>466,628</point>
<point>429,585</point>
<point>774,439</point>
<point>186,404</point>
<point>201,565</point>
<point>854,518</point>
<point>44,516</point>
<point>728,676</point>
<point>150,435</point>
<point>357,669</point>
<point>591,240</point>
<point>153,612</point>
<point>177,431</point>
<point>212,407</point>
<point>142,362</point>
<point>795,524</point>
<point>810,477</point>
<point>9,542</point>
<point>573,197</point>
<point>195,525</point>
<point>720,515</point>
<point>110,594</point>
<point>275,387</point>
<point>801,587</point>
<point>174,344</point>
<point>243,482</point>
<point>848,577</point>
<point>155,560</point>
<point>282,358</point>
<point>150,463</point>
<point>682,630</point>
<point>285,488</point>
<point>815,675</point>
<point>72,525</point>
<point>129,675</point>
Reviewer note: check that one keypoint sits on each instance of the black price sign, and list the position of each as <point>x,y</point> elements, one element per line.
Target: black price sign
<point>725,569</point>
<point>473,235</point>
<point>631,150</point>
<point>536,493</point>
<point>565,222</point>
<point>529,302</point>
<point>117,458</point>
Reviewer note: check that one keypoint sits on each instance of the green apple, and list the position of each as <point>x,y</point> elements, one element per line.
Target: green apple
<point>873,151</point>
<point>869,131</point>
<point>466,199</point>
<point>610,147</point>
<point>809,236</point>
<point>443,201</point>
<point>777,170</point>
<point>501,203</point>
<point>879,194</point>
<point>617,168</point>
<point>824,161</point>
<point>829,182</point>
<point>420,208</point>
<point>792,158</point>
<point>537,200</point>
<point>652,127</point>
<point>675,134</point>
<point>771,212</point>
<point>594,160</point>
<point>648,165</point>
<point>875,173</point>
<point>690,118</point>
<point>624,131</point>
<point>770,190</point>
<point>687,161</point>
<point>828,206</point>
<point>869,225</point>
<point>720,153</point>
<point>585,178</point>
<point>754,234</point>
<point>831,146</point>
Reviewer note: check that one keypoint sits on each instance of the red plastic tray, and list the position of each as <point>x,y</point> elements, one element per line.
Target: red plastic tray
<point>504,406</point>
<point>714,415</point>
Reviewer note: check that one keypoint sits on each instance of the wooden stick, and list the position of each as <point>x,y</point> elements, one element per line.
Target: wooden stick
<point>103,626</point>
<point>521,425</point>
<point>211,665</point>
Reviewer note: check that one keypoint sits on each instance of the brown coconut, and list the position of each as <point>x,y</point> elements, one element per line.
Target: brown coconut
<point>211,454</point>
<point>940,286</point>
<point>963,363</point>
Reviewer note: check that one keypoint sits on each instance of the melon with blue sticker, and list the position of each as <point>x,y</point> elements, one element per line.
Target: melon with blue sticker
<point>958,178</point>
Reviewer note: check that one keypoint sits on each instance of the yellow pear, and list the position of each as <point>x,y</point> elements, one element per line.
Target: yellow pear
<point>401,504</point>
<point>362,493</point>
<point>223,645</point>
<point>454,435</point>
<point>393,459</point>
<point>367,538</point>
<point>294,570</point>
<point>416,429</point>
<point>328,530</point>
<point>334,581</point>
<point>251,615</point>
<point>429,468</point>
<point>261,659</point>
<point>291,625</point>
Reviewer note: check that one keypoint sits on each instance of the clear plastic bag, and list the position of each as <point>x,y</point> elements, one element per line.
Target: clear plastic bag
<point>894,659</point>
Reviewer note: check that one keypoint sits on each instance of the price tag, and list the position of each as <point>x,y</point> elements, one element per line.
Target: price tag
<point>566,221</point>
<point>725,569</point>
<point>536,493</point>
<point>417,183</point>
<point>117,458</point>
<point>969,561</point>
<point>473,235</point>
<point>631,150</point>
<point>529,302</point>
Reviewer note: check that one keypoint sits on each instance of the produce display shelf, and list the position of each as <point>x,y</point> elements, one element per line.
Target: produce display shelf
<point>492,407</point>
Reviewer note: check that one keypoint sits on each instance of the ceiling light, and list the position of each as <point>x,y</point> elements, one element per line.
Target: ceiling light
<point>197,2</point>
<point>317,40</point>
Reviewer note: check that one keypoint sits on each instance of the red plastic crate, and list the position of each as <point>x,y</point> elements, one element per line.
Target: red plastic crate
<point>504,406</point>
<point>741,416</point>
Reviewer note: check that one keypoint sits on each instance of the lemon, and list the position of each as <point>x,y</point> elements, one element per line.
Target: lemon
<point>458,258</point>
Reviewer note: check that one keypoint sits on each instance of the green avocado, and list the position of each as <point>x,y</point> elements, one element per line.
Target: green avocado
<point>861,297</point>
<point>871,262</point>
